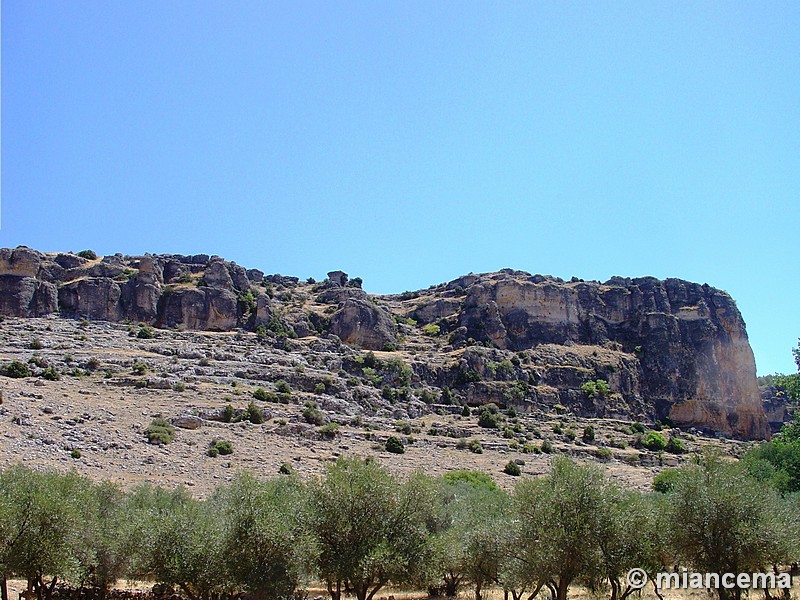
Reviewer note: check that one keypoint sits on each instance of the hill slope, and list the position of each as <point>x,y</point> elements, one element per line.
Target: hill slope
<point>624,349</point>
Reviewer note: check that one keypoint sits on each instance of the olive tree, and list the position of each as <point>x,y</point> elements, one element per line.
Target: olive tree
<point>41,515</point>
<point>470,528</point>
<point>631,535</point>
<point>369,528</point>
<point>559,519</point>
<point>180,543</point>
<point>724,521</point>
<point>265,547</point>
<point>107,537</point>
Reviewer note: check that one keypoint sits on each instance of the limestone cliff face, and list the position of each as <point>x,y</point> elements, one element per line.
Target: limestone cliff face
<point>696,363</point>
<point>666,348</point>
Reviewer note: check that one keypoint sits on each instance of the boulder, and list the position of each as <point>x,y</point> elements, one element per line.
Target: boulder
<point>26,296</point>
<point>338,278</point>
<point>187,422</point>
<point>361,323</point>
<point>20,261</point>
<point>94,298</point>
<point>217,275</point>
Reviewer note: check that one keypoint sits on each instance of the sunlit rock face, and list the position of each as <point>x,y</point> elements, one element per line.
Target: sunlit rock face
<point>666,348</point>
<point>696,363</point>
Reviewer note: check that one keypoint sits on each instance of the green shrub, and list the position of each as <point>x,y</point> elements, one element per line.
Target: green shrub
<point>676,446</point>
<point>329,430</point>
<point>254,414</point>
<point>17,370</point>
<point>431,329</point>
<point>313,415</point>
<point>528,448</point>
<point>403,427</point>
<point>320,388</point>
<point>88,254</point>
<point>596,388</point>
<point>475,447</point>
<point>228,413</point>
<point>160,432</point>
<point>286,469</point>
<point>488,420</point>
<point>51,374</point>
<point>261,394</point>
<point>36,344</point>
<point>446,396</point>
<point>397,371</point>
<point>76,454</point>
<point>666,480</point>
<point>477,479</point>
<point>469,376</point>
<point>570,435</point>
<point>139,368</point>
<point>145,332</point>
<point>219,448</point>
<point>603,453</point>
<point>588,434</point>
<point>547,447</point>
<point>466,412</point>
<point>637,427</point>
<point>283,387</point>
<point>394,445</point>
<point>654,441</point>
<point>512,469</point>
<point>557,429</point>
<point>179,386</point>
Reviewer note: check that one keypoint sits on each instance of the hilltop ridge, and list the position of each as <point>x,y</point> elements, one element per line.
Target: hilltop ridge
<point>666,350</point>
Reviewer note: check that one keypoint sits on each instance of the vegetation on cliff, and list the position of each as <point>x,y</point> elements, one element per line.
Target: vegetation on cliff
<point>642,347</point>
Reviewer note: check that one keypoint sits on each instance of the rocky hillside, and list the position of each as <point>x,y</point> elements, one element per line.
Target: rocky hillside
<point>639,349</point>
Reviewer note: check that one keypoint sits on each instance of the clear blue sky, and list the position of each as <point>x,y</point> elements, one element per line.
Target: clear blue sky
<point>412,142</point>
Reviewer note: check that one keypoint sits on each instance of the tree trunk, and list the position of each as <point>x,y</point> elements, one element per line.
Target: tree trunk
<point>450,586</point>
<point>375,589</point>
<point>656,591</point>
<point>614,587</point>
<point>188,591</point>
<point>552,588</point>
<point>478,585</point>
<point>562,589</point>
<point>336,593</point>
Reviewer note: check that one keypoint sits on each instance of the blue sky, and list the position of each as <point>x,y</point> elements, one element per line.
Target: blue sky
<point>412,142</point>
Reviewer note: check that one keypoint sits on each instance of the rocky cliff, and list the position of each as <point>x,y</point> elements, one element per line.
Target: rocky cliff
<point>660,349</point>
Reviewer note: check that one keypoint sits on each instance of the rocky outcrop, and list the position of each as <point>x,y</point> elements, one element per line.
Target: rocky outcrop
<point>361,323</point>
<point>665,349</point>
<point>778,406</point>
<point>695,361</point>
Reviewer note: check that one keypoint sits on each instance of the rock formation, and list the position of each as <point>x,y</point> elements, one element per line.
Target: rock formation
<point>695,363</point>
<point>667,349</point>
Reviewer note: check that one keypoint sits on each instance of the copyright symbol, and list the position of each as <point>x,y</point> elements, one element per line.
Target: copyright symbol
<point>636,578</point>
